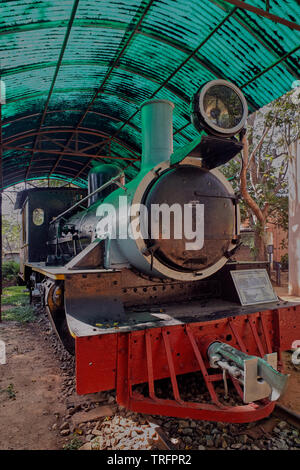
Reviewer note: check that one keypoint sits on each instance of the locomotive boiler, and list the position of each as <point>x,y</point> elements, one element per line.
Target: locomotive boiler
<point>130,221</point>
<point>136,278</point>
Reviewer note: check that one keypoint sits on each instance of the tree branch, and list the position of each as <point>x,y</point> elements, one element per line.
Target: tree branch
<point>243,178</point>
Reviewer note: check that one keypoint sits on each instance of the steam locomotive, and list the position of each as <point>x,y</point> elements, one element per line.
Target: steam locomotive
<point>136,276</point>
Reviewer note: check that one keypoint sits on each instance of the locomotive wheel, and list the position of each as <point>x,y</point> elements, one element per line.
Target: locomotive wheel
<point>57,315</point>
<point>59,324</point>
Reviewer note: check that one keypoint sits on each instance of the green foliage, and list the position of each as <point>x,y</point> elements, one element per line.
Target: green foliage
<point>10,270</point>
<point>15,295</point>
<point>74,444</point>
<point>270,132</point>
<point>284,244</point>
<point>20,310</point>
<point>20,313</point>
<point>284,261</point>
<point>11,230</point>
<point>10,391</point>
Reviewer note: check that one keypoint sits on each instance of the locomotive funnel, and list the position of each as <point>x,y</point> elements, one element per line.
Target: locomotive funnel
<point>157,132</point>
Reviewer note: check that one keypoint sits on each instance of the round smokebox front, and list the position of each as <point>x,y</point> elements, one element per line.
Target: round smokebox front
<point>191,218</point>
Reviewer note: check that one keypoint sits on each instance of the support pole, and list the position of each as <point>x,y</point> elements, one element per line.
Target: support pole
<point>1,189</point>
<point>294,220</point>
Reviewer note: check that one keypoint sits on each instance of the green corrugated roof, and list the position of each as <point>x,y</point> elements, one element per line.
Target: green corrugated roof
<point>88,65</point>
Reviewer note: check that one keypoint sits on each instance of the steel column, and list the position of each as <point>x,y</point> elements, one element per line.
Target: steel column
<point>1,189</point>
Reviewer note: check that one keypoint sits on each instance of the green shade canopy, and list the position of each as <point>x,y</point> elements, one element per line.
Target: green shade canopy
<point>76,73</point>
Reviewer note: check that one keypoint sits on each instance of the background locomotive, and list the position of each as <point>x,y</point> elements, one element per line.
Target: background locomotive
<point>159,308</point>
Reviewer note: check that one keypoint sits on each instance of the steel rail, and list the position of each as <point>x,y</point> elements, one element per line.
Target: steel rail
<point>292,416</point>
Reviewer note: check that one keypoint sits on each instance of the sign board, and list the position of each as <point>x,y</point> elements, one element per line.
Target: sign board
<point>253,286</point>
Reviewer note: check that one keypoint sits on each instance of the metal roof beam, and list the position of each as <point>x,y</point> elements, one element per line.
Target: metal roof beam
<point>11,181</point>
<point>62,51</point>
<point>49,130</point>
<point>171,88</point>
<point>46,138</point>
<point>59,143</point>
<point>110,70</point>
<point>54,130</point>
<point>58,152</point>
<point>30,116</point>
<point>179,67</point>
<point>281,59</point>
<point>76,149</point>
<point>242,20</point>
<point>41,163</point>
<point>264,13</point>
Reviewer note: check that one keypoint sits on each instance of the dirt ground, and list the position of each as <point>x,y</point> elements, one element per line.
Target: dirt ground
<point>291,397</point>
<point>30,385</point>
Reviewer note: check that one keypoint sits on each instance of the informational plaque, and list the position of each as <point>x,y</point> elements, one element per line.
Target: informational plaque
<point>253,286</point>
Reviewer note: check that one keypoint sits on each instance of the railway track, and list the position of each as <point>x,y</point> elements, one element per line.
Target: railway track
<point>288,415</point>
<point>280,431</point>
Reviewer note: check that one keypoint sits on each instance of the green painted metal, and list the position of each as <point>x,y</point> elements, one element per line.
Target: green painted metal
<point>87,64</point>
<point>157,128</point>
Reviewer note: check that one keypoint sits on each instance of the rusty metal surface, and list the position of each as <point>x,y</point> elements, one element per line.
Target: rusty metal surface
<point>187,185</point>
<point>90,300</point>
<point>146,302</point>
<point>99,299</point>
<point>145,356</point>
<point>234,330</point>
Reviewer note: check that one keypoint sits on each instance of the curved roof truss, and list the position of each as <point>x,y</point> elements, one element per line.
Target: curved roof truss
<point>77,72</point>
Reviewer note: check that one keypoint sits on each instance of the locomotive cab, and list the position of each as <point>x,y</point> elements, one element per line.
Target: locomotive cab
<point>38,206</point>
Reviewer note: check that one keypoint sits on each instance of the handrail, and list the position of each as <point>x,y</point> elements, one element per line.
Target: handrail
<point>105,185</point>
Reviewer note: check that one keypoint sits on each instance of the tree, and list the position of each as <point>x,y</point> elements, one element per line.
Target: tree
<point>11,226</point>
<point>260,170</point>
<point>11,230</point>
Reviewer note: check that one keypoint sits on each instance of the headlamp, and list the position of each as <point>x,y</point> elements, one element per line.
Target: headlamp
<point>220,108</point>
